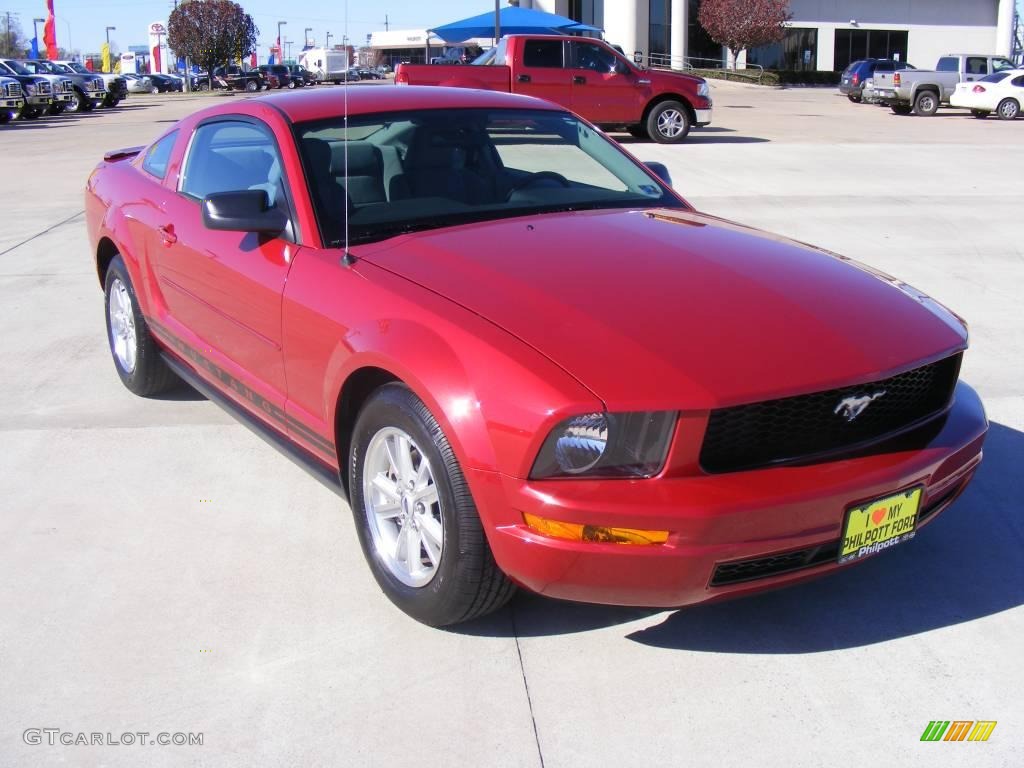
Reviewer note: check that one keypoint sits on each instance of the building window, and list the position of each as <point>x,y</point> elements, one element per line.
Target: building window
<point>660,22</point>
<point>798,50</point>
<point>701,50</point>
<point>855,44</point>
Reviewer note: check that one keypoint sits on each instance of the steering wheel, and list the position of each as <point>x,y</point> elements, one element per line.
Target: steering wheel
<point>539,176</point>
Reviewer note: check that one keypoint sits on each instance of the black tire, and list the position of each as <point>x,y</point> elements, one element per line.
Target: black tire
<point>1008,109</point>
<point>56,109</point>
<point>111,102</point>
<point>251,86</point>
<point>78,101</point>
<point>5,117</point>
<point>154,90</point>
<point>854,98</point>
<point>981,114</point>
<point>638,132</point>
<point>31,113</point>
<point>901,109</point>
<point>669,122</point>
<point>150,376</point>
<point>926,103</point>
<point>467,582</point>
<point>291,84</point>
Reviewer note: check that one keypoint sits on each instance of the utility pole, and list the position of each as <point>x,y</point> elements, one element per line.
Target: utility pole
<point>386,27</point>
<point>10,36</point>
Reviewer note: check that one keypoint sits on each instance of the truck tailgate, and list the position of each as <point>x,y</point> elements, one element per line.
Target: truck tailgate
<point>487,78</point>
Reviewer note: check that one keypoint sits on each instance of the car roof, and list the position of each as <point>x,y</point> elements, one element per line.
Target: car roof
<point>302,105</point>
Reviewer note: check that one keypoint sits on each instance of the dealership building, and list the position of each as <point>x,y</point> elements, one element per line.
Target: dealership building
<point>822,34</point>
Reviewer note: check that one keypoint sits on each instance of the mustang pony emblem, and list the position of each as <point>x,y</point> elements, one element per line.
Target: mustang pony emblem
<point>852,407</point>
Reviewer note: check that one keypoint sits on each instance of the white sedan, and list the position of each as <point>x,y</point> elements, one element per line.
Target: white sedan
<point>1000,92</point>
<point>137,83</point>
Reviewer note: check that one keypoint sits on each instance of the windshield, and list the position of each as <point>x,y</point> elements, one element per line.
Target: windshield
<point>17,68</point>
<point>436,168</point>
<point>74,66</point>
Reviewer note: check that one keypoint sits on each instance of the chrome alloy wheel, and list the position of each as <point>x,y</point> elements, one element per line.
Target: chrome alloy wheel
<point>122,326</point>
<point>402,507</point>
<point>671,123</point>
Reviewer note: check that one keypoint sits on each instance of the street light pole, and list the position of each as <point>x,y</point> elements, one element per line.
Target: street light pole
<point>35,32</point>
<point>280,46</point>
<point>327,41</point>
<point>305,36</point>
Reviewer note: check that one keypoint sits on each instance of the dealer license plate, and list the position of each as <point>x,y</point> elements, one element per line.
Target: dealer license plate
<point>880,524</point>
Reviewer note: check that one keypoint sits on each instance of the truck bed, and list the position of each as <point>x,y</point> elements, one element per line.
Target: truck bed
<point>486,78</point>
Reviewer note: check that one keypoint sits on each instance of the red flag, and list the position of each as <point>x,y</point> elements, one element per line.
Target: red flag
<point>254,62</point>
<point>50,32</point>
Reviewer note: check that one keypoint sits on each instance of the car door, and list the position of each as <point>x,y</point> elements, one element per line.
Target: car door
<point>604,88</point>
<point>225,288</point>
<point>541,71</point>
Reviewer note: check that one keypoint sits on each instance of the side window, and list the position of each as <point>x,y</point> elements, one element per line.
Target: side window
<point>948,64</point>
<point>976,65</point>
<point>1018,82</point>
<point>596,58</point>
<point>998,65</point>
<point>155,162</point>
<point>542,53</point>
<point>232,156</point>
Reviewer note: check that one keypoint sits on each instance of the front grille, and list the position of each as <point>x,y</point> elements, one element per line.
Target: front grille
<point>97,85</point>
<point>67,86</point>
<point>13,90</point>
<point>807,427</point>
<point>43,89</point>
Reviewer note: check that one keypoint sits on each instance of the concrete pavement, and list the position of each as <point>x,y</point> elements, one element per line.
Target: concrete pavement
<point>163,570</point>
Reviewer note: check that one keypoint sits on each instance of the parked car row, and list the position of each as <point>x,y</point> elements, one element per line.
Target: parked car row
<point>33,88</point>
<point>982,83</point>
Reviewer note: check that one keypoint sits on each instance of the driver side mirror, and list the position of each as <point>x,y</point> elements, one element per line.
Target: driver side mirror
<point>661,171</point>
<point>245,211</point>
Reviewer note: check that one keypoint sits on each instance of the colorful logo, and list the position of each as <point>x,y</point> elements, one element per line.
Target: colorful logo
<point>958,730</point>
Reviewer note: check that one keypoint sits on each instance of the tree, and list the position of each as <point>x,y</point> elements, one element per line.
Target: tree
<point>211,33</point>
<point>743,24</point>
<point>12,43</point>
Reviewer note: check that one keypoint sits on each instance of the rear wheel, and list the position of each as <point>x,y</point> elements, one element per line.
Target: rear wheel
<point>136,356</point>
<point>668,122</point>
<point>926,103</point>
<point>1008,109</point>
<point>416,519</point>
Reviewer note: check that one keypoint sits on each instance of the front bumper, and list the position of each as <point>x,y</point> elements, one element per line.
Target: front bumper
<point>713,519</point>
<point>38,101</point>
<point>703,117</point>
<point>11,104</point>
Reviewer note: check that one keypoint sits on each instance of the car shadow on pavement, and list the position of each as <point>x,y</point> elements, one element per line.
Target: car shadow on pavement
<point>966,565</point>
<point>710,135</point>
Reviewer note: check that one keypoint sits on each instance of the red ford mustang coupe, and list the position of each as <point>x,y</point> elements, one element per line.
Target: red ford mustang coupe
<point>523,358</point>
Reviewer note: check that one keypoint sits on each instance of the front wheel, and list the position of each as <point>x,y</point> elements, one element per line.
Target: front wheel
<point>668,123</point>
<point>854,98</point>
<point>136,357</point>
<point>415,516</point>
<point>1008,109</point>
<point>56,109</point>
<point>31,113</point>
<point>77,103</point>
<point>252,86</point>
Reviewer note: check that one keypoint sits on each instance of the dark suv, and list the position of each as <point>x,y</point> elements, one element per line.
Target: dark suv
<point>851,82</point>
<point>277,75</point>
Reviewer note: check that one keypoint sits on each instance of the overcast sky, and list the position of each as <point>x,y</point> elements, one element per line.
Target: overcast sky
<point>86,20</point>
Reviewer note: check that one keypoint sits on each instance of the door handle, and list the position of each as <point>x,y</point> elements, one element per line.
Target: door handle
<point>523,78</point>
<point>167,234</point>
<point>579,80</point>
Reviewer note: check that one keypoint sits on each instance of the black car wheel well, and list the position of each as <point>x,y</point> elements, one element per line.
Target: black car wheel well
<point>357,389</point>
<point>105,253</point>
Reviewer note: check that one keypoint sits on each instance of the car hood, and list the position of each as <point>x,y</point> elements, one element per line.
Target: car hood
<point>675,309</point>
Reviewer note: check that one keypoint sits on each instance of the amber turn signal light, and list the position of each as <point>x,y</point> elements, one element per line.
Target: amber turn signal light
<point>593,533</point>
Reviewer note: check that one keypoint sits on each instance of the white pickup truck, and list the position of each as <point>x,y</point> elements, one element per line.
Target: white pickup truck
<point>922,91</point>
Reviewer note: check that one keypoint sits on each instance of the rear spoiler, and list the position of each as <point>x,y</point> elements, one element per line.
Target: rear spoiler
<point>121,154</point>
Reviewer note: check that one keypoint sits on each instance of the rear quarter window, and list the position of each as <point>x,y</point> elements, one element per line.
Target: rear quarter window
<point>948,64</point>
<point>158,155</point>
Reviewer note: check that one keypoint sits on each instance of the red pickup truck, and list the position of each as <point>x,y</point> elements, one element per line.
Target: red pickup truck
<point>585,75</point>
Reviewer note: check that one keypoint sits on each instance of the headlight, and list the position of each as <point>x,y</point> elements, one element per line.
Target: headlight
<point>703,90</point>
<point>606,445</point>
<point>30,89</point>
